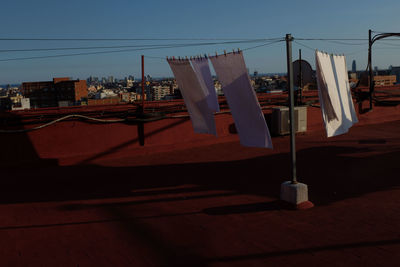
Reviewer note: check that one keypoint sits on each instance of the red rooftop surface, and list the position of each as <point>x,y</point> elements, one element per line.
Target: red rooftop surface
<point>79,193</point>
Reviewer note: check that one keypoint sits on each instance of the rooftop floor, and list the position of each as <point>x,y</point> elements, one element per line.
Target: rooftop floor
<point>211,202</point>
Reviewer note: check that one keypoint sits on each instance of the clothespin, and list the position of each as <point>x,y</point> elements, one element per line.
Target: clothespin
<point>225,52</point>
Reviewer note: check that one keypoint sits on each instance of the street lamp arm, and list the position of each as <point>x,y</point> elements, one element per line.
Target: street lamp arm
<point>384,35</point>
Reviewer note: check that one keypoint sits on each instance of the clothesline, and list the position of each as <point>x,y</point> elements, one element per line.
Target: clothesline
<point>244,49</point>
<point>194,79</point>
<point>196,84</point>
<point>204,56</point>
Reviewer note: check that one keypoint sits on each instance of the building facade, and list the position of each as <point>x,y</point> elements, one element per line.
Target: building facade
<point>384,80</point>
<point>159,92</point>
<point>51,93</point>
<point>395,71</point>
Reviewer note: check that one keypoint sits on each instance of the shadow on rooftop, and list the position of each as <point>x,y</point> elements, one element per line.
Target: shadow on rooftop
<point>306,250</point>
<point>17,149</point>
<point>332,173</point>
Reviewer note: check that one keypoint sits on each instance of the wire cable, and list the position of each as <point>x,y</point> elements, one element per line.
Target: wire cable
<point>344,43</point>
<point>266,44</point>
<point>388,44</point>
<point>133,39</point>
<point>355,52</point>
<point>129,50</point>
<point>153,57</point>
<point>331,39</point>
<point>245,49</point>
<point>126,46</point>
<point>78,48</point>
<point>61,119</point>
<point>306,46</point>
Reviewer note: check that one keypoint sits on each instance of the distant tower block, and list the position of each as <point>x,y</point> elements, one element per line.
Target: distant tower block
<point>354,66</point>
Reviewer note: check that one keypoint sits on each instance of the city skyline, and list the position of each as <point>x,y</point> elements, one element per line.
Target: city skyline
<point>205,22</point>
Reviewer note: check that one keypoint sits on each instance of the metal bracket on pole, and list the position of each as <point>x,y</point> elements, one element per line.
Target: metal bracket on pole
<point>371,41</point>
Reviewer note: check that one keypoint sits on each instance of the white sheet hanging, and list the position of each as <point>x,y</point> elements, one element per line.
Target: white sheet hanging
<point>336,106</point>
<point>195,98</point>
<point>202,70</point>
<point>242,100</point>
<point>349,113</point>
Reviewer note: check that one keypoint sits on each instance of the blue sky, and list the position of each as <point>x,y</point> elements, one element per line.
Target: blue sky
<point>250,19</point>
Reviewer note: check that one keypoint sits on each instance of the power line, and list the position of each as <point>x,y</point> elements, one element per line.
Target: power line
<point>269,43</point>
<point>355,52</point>
<point>344,43</point>
<point>393,39</point>
<point>306,46</point>
<point>331,39</point>
<point>76,48</point>
<point>153,57</point>
<point>313,49</point>
<point>177,39</point>
<point>128,50</point>
<point>126,46</point>
<point>157,46</point>
<point>133,39</point>
<point>385,48</point>
<point>389,44</point>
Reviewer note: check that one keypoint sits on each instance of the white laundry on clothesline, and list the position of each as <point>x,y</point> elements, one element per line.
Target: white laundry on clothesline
<point>242,100</point>
<point>343,85</point>
<point>334,94</point>
<point>194,96</point>
<point>202,70</point>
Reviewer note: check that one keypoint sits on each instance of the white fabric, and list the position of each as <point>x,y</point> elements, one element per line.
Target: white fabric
<point>202,70</point>
<point>195,98</point>
<point>334,94</point>
<point>349,112</point>
<point>242,100</point>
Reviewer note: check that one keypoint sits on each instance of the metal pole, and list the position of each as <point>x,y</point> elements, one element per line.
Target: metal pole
<point>289,40</point>
<point>143,82</point>
<point>371,78</point>
<point>301,79</point>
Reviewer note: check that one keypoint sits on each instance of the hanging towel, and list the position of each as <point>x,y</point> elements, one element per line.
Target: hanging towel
<point>349,113</point>
<point>242,100</point>
<point>333,95</point>
<point>203,73</point>
<point>194,97</point>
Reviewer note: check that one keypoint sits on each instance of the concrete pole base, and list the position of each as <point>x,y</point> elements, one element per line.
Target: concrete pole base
<point>295,195</point>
